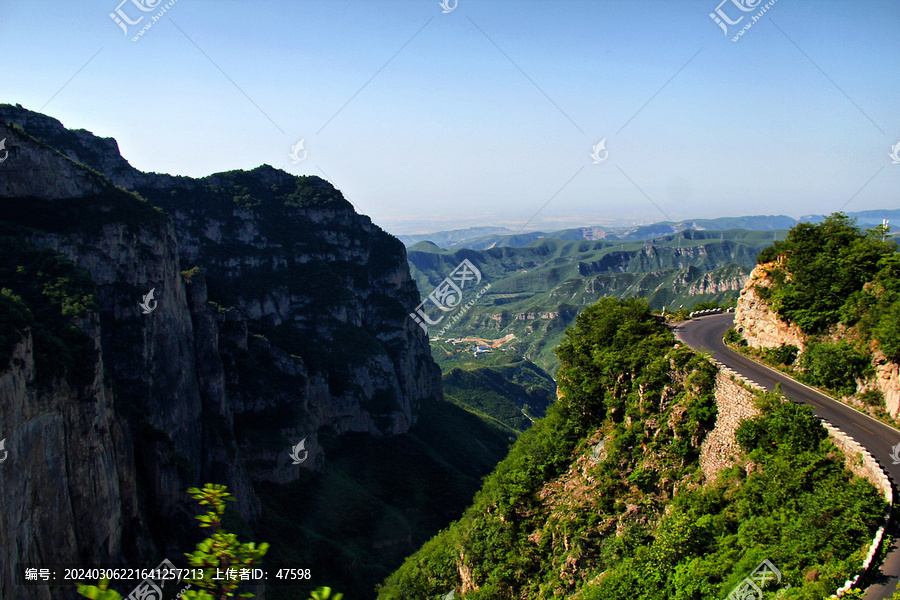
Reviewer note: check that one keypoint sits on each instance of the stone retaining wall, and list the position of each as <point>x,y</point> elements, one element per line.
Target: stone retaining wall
<point>734,398</point>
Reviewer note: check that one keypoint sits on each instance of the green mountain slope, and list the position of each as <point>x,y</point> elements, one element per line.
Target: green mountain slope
<point>604,498</point>
<point>355,521</point>
<point>515,393</point>
<point>537,290</point>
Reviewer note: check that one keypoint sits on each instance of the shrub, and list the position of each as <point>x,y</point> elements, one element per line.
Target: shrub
<point>785,354</point>
<point>732,336</point>
<point>221,550</point>
<point>834,365</point>
<point>872,398</point>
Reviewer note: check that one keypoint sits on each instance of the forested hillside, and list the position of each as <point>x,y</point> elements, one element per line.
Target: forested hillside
<point>838,287</point>
<point>537,290</point>
<point>605,498</point>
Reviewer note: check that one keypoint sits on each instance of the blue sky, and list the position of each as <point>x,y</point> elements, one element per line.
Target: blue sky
<point>482,116</point>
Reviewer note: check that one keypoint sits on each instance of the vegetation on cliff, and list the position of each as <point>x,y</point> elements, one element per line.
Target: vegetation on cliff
<point>832,272</point>
<point>604,497</point>
<point>41,290</point>
<point>841,286</point>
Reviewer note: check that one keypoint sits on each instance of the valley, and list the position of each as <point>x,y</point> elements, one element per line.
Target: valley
<point>551,441</point>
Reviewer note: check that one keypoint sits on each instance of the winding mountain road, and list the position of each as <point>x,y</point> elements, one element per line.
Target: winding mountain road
<point>705,333</point>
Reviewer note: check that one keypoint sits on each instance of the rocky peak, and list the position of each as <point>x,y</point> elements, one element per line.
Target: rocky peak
<point>279,314</point>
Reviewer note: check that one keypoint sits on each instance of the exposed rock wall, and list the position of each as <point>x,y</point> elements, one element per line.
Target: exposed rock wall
<point>191,392</point>
<point>887,381</point>
<point>33,170</point>
<point>761,326</point>
<point>67,487</point>
<point>720,449</point>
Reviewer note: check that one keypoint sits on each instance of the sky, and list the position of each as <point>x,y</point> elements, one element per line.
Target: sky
<point>487,112</point>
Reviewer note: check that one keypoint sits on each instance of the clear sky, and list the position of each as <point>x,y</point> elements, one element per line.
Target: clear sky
<point>487,114</point>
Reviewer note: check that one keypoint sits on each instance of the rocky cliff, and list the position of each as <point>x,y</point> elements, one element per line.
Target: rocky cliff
<point>761,327</point>
<point>278,314</point>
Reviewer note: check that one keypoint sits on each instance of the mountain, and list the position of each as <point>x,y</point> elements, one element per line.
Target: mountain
<point>481,239</point>
<point>445,238</point>
<point>273,314</point>
<point>537,290</point>
<point>654,476</point>
<point>825,301</point>
<point>865,219</point>
<point>502,387</point>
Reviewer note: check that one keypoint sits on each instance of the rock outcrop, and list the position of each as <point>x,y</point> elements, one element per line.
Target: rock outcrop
<point>886,381</point>
<point>762,328</point>
<point>758,323</point>
<point>279,313</point>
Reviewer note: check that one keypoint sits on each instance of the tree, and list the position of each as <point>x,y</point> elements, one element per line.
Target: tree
<point>221,551</point>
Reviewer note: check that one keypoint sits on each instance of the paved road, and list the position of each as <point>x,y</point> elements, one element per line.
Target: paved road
<point>705,333</point>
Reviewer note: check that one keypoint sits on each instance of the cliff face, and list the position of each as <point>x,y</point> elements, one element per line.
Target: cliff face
<point>295,323</point>
<point>68,484</point>
<point>761,326</point>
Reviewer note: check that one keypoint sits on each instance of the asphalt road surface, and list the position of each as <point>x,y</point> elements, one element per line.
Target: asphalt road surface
<point>705,334</point>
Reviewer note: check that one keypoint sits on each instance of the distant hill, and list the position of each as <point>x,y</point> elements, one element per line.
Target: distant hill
<point>483,238</point>
<point>537,290</point>
<point>444,238</point>
<point>865,219</point>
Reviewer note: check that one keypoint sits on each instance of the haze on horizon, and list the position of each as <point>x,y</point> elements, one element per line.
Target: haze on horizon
<point>487,114</point>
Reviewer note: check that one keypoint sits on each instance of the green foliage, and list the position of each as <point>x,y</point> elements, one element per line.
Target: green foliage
<point>732,336</point>
<point>872,397</point>
<point>824,268</point>
<point>785,354</point>
<point>14,318</point>
<point>324,593</point>
<point>43,290</point>
<point>834,365</point>
<point>782,423</point>
<point>887,332</point>
<point>505,392</point>
<point>610,341</point>
<point>220,551</point>
<point>189,274</point>
<point>601,497</point>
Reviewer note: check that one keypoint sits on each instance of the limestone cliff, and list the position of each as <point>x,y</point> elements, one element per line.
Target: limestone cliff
<point>760,325</point>
<point>762,328</point>
<point>293,323</point>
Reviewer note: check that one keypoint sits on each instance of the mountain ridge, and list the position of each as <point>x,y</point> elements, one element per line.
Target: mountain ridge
<point>248,349</point>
